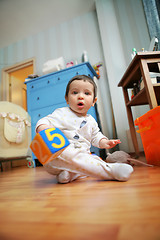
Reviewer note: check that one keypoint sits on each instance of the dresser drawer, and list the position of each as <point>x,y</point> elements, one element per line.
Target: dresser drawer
<point>53,78</point>
<point>42,112</point>
<point>47,96</point>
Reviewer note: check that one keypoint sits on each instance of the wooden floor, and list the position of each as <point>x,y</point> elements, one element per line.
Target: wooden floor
<point>34,206</point>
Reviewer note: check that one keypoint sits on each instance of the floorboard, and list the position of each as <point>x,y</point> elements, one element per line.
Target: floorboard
<point>34,206</point>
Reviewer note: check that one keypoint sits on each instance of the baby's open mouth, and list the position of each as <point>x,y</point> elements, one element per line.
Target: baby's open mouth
<point>80,104</point>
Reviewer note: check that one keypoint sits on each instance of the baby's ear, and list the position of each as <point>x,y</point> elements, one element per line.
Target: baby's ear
<point>66,98</point>
<point>94,101</point>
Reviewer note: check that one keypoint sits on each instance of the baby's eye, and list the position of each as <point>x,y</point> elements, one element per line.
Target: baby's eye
<point>75,92</point>
<point>87,93</point>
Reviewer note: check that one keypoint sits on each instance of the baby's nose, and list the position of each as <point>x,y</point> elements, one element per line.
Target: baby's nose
<point>80,96</point>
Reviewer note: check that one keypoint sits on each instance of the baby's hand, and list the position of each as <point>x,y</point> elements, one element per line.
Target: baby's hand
<point>106,143</point>
<point>42,127</point>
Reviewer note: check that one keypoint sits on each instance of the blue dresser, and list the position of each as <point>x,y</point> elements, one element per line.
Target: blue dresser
<point>46,93</point>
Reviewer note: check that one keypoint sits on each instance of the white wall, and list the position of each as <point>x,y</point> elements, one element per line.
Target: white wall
<point>122,26</point>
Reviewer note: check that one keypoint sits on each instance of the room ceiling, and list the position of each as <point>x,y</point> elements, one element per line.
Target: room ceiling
<point>21,18</point>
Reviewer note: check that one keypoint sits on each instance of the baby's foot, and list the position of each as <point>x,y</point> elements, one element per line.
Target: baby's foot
<point>66,177</point>
<point>63,177</point>
<point>121,171</point>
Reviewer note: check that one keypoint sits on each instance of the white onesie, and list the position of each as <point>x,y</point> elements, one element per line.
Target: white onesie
<point>76,161</point>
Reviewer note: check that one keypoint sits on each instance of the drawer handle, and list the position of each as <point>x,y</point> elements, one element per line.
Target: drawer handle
<point>48,82</point>
<point>32,86</point>
<point>37,98</point>
<point>77,73</point>
<point>58,78</point>
<point>143,129</point>
<point>39,115</point>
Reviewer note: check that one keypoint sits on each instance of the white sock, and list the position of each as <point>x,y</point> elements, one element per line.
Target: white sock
<point>66,177</point>
<point>120,171</point>
<point>63,177</point>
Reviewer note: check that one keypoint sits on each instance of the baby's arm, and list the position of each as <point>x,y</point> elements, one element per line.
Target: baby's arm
<point>106,143</point>
<point>42,127</point>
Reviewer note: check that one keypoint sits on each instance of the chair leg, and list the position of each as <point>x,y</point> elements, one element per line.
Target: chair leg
<point>1,166</point>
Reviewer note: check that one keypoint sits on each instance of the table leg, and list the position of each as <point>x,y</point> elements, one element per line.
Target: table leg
<point>131,123</point>
<point>133,131</point>
<point>148,84</point>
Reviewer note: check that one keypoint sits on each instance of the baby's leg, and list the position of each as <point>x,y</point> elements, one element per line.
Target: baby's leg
<point>63,176</point>
<point>79,161</point>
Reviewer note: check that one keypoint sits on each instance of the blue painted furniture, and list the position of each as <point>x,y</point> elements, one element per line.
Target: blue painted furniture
<point>46,93</point>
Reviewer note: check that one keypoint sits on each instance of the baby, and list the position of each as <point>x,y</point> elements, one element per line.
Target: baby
<point>82,130</point>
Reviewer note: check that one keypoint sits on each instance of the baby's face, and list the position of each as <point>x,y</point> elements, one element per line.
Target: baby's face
<point>81,97</point>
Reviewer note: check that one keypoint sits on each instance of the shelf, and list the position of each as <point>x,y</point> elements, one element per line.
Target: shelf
<point>133,73</point>
<point>141,97</point>
<point>140,67</point>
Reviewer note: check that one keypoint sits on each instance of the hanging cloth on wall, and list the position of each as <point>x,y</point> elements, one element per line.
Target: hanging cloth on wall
<point>14,127</point>
<point>152,13</point>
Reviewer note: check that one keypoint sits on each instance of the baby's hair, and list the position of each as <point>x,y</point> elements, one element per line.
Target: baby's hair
<point>85,78</point>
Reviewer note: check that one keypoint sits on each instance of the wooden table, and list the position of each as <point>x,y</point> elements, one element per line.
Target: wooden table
<point>140,68</point>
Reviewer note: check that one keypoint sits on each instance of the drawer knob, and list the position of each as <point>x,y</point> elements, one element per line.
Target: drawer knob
<point>37,98</point>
